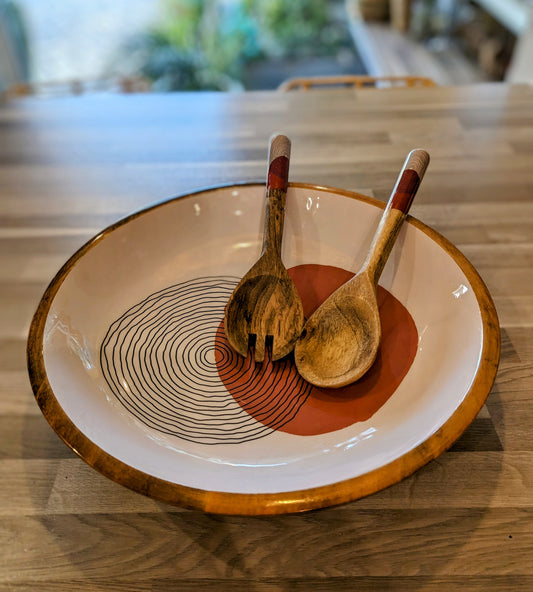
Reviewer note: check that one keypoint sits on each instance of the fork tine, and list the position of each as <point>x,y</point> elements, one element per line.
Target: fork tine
<point>259,355</point>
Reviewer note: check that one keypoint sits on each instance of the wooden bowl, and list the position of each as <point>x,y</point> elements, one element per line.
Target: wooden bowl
<point>130,366</point>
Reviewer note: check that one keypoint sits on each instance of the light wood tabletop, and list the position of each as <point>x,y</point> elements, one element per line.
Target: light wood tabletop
<point>71,166</point>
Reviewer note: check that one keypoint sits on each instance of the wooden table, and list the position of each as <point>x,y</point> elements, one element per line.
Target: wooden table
<point>69,167</point>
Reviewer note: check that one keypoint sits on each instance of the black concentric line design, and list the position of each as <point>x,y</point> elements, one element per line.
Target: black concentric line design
<point>158,359</point>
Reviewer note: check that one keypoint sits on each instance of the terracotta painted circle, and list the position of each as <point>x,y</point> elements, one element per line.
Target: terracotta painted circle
<point>303,409</point>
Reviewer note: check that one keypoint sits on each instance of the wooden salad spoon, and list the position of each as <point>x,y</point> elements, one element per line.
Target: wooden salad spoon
<point>265,310</point>
<point>341,338</point>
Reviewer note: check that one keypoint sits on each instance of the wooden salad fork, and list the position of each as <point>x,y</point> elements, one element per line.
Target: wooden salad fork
<point>341,338</point>
<point>265,310</point>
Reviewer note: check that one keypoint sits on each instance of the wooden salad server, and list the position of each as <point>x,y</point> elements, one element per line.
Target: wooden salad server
<point>341,338</point>
<point>265,310</point>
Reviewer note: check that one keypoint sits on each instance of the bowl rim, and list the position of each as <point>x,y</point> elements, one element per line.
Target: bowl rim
<point>220,502</point>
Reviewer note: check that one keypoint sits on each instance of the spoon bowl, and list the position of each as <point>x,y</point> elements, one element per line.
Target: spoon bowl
<point>341,338</point>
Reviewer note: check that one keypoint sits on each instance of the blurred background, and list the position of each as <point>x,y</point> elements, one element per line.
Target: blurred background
<point>75,46</point>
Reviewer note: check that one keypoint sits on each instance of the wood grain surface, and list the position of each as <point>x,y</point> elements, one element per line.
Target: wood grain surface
<point>69,167</point>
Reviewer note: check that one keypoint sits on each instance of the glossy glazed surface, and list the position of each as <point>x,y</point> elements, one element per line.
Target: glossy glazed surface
<point>213,236</point>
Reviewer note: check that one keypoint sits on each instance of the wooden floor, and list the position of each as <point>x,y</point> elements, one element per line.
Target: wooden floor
<point>385,51</point>
<point>70,167</point>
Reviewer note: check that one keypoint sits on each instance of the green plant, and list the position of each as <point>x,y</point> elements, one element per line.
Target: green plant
<point>289,28</point>
<point>15,65</point>
<point>199,44</point>
<point>206,44</point>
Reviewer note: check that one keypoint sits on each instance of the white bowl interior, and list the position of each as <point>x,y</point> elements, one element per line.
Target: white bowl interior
<point>218,233</point>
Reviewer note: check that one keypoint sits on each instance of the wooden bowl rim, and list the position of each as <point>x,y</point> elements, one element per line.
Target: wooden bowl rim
<point>267,503</point>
